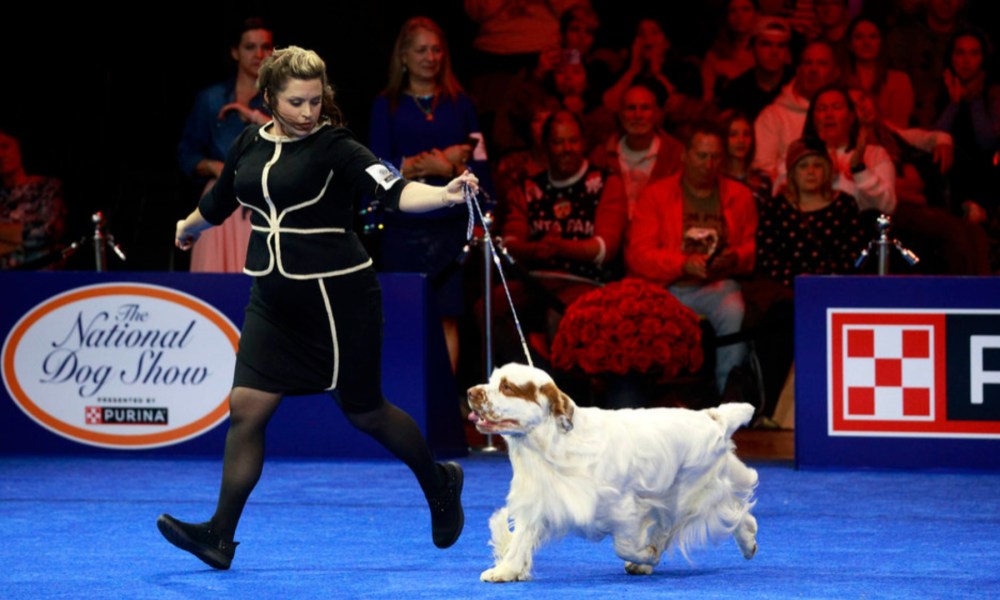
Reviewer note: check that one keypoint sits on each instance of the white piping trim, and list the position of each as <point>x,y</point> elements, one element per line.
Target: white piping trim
<point>300,230</point>
<point>266,132</point>
<point>308,276</point>
<point>333,335</point>
<point>310,201</point>
<point>274,228</point>
<point>271,210</point>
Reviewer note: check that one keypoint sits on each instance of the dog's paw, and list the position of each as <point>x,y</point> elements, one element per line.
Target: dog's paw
<point>746,536</point>
<point>637,569</point>
<point>501,574</point>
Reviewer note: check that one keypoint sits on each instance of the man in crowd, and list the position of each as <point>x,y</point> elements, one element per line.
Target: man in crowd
<point>759,86</point>
<point>643,153</point>
<point>693,232</point>
<point>781,122</point>
<point>565,228</point>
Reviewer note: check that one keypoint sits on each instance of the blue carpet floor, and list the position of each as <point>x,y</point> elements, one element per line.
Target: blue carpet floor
<point>84,528</point>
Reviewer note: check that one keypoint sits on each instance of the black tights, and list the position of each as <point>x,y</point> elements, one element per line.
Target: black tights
<point>250,410</point>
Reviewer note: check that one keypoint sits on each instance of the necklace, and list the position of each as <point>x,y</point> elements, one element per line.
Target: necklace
<point>426,104</point>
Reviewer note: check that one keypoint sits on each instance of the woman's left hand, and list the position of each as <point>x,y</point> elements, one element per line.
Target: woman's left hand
<point>454,192</point>
<point>185,236</point>
<point>433,162</point>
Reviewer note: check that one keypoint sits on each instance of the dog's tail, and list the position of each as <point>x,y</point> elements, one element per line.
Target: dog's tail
<point>732,415</point>
<point>719,502</point>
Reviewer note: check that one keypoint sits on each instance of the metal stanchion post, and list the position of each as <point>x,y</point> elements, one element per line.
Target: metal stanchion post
<point>102,240</point>
<point>882,245</point>
<point>487,250</point>
<point>100,256</point>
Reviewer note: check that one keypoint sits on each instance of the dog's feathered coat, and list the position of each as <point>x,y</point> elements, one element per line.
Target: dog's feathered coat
<point>653,479</point>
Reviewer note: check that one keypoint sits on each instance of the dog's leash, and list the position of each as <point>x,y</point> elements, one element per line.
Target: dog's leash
<point>475,210</point>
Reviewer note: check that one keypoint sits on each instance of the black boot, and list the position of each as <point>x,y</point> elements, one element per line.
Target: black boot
<point>447,517</point>
<point>198,539</point>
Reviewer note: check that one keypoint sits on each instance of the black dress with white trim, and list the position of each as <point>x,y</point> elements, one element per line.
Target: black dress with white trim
<point>314,319</point>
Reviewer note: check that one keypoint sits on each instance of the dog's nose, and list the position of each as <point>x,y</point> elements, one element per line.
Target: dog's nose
<point>475,394</point>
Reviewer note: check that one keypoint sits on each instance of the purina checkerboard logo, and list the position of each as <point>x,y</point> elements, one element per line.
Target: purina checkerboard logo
<point>103,415</point>
<point>914,373</point>
<point>122,365</point>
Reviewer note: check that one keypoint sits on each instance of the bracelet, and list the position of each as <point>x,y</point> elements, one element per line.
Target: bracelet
<point>444,198</point>
<point>602,251</point>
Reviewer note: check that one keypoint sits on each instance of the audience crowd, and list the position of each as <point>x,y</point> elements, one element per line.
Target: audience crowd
<point>720,175</point>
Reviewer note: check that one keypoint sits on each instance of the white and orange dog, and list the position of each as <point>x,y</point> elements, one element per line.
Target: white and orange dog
<point>653,479</point>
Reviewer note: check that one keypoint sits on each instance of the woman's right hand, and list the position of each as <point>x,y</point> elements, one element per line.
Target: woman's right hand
<point>637,58</point>
<point>246,114</point>
<point>208,167</point>
<point>657,54</point>
<point>858,156</point>
<point>954,86</point>
<point>184,238</point>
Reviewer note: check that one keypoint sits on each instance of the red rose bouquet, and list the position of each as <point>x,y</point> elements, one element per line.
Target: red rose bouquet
<point>628,326</point>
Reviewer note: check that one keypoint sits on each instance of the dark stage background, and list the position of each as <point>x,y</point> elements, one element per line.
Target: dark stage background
<point>98,95</point>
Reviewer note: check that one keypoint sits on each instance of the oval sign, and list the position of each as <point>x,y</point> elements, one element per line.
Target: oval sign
<point>122,365</point>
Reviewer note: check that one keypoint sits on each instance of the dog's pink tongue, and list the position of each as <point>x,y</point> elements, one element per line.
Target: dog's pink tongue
<point>473,417</point>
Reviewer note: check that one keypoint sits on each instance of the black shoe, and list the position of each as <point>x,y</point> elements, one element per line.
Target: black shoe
<point>447,516</point>
<point>198,539</point>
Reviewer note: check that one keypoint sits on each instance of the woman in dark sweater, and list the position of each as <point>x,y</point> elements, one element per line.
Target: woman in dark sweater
<point>314,321</point>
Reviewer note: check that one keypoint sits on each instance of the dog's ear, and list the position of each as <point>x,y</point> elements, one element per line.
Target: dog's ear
<point>561,406</point>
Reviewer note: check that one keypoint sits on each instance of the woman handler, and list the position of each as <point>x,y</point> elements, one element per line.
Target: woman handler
<point>314,320</point>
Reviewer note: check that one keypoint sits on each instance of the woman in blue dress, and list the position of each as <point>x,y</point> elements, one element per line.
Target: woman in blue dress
<point>426,126</point>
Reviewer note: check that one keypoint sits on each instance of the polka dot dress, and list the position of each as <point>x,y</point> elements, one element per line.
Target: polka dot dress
<point>791,242</point>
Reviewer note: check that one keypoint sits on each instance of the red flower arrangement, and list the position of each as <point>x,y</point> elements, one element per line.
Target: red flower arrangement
<point>628,325</point>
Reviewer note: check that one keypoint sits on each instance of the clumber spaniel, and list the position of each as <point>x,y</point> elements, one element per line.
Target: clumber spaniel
<point>653,479</point>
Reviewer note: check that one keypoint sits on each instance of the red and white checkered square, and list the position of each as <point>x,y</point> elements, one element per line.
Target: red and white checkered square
<point>888,372</point>
<point>93,415</point>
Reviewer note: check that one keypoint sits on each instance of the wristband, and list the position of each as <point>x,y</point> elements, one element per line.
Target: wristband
<point>444,198</point>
